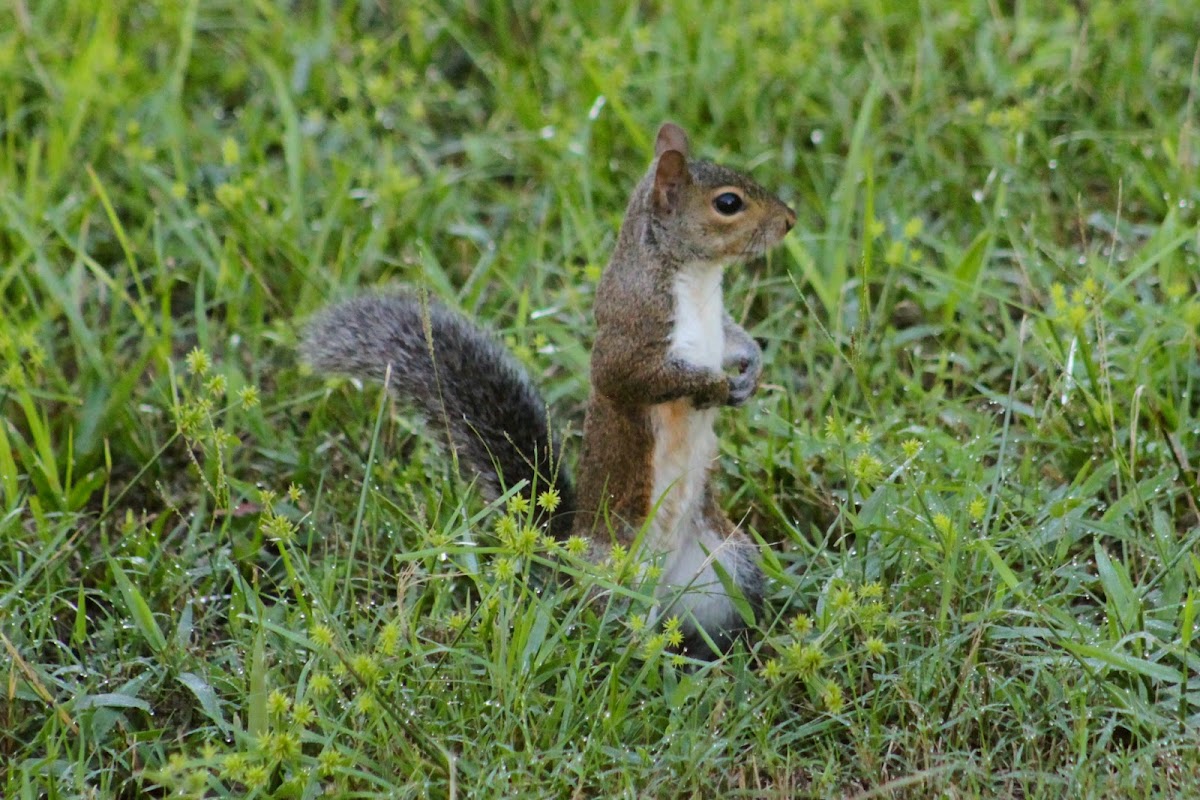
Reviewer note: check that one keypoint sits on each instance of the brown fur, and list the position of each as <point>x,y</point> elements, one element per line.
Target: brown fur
<point>668,223</point>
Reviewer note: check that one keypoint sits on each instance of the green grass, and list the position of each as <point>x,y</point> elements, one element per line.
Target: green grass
<point>974,464</point>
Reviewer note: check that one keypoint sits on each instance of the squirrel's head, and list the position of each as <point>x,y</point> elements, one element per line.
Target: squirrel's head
<point>704,212</point>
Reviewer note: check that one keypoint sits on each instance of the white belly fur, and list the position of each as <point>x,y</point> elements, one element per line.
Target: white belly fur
<point>685,446</point>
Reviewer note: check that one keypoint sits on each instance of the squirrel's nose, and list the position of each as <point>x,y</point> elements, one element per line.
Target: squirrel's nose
<point>790,221</point>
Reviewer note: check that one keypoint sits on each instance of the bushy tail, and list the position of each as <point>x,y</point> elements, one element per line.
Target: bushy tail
<point>463,381</point>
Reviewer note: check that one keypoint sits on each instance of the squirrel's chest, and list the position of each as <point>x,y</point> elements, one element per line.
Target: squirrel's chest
<point>697,335</point>
<point>684,442</point>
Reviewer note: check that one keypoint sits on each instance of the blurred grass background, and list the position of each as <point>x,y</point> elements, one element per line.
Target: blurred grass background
<point>973,466</point>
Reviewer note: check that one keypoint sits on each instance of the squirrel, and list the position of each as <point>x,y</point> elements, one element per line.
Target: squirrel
<point>666,356</point>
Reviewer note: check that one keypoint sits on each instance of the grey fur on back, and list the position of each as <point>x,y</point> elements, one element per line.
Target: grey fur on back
<point>466,385</point>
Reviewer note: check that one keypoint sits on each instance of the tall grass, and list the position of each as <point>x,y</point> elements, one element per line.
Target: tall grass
<point>973,466</point>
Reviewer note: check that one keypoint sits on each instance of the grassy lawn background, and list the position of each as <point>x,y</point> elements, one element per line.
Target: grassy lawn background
<point>973,467</point>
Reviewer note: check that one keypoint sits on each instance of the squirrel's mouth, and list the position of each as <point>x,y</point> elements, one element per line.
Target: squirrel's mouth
<point>763,239</point>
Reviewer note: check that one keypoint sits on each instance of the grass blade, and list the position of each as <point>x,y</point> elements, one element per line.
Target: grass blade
<point>139,609</point>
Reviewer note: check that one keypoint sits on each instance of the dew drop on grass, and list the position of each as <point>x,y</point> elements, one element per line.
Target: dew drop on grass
<point>597,105</point>
<point>977,195</point>
<point>1052,163</point>
<point>817,136</point>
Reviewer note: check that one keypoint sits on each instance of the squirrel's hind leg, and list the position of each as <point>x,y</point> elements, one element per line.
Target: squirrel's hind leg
<point>692,589</point>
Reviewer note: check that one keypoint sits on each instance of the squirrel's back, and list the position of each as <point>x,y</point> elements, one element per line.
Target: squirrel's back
<point>460,378</point>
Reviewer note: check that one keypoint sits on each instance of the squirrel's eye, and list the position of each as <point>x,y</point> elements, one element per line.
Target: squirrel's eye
<point>728,203</point>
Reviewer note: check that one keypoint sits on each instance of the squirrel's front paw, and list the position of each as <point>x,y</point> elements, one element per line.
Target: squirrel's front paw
<point>741,387</point>
<point>748,366</point>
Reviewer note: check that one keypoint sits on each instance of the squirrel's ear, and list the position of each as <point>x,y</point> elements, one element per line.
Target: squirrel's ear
<point>671,137</point>
<point>670,176</point>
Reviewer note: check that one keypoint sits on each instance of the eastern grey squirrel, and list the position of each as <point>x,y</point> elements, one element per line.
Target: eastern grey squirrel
<point>666,356</point>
